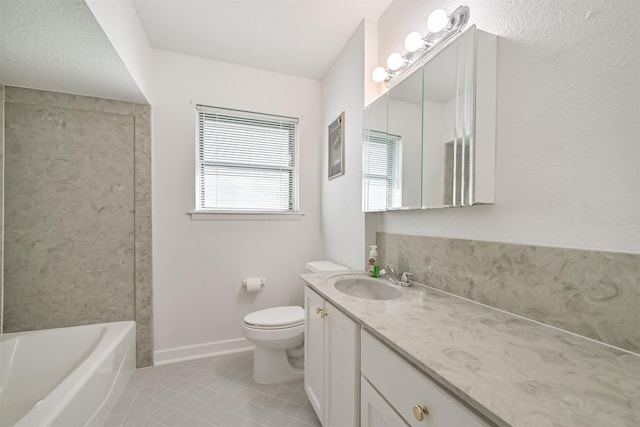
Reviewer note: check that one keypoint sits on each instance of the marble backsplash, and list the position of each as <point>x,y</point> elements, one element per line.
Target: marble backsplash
<point>77,223</point>
<point>595,294</point>
<point>1,198</point>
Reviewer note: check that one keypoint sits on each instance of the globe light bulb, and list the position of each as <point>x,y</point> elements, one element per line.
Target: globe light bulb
<point>437,21</point>
<point>395,61</point>
<point>379,74</point>
<point>413,41</point>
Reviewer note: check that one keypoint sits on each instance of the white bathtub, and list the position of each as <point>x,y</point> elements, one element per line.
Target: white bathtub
<point>66,376</point>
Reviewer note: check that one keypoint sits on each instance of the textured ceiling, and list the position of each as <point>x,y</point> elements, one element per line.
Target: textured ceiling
<point>57,45</point>
<point>298,37</point>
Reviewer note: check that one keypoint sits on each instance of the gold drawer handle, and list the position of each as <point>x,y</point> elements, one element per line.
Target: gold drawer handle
<point>321,312</point>
<point>420,412</point>
<point>318,310</point>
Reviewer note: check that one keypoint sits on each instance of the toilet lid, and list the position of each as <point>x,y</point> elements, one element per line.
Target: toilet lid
<point>276,316</point>
<point>321,266</point>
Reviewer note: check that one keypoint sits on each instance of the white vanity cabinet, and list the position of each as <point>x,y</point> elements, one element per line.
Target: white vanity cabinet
<point>392,387</point>
<point>375,411</point>
<point>332,362</point>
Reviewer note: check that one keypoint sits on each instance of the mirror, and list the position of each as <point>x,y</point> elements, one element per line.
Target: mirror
<point>405,125</point>
<point>448,99</point>
<point>436,146</point>
<point>376,179</point>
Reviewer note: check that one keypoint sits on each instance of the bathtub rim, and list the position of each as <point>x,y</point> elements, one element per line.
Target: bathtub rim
<point>49,408</point>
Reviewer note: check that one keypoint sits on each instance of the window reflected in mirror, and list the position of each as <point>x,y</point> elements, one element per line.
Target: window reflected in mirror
<point>381,170</point>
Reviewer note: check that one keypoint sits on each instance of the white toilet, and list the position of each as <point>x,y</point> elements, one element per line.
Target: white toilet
<point>278,336</point>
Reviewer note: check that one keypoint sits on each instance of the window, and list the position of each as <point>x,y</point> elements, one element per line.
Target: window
<point>246,162</point>
<point>381,182</point>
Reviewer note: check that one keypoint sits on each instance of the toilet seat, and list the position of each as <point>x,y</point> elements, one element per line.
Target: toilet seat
<point>276,318</point>
<point>278,336</point>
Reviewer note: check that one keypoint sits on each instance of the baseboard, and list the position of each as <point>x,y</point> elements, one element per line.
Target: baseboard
<point>200,351</point>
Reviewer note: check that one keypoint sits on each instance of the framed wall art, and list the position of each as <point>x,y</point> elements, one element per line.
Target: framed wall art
<point>336,147</point>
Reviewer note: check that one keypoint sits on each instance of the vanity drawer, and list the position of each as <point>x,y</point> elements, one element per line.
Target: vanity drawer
<point>404,387</point>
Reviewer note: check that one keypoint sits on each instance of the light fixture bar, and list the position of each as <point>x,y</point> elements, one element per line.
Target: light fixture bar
<point>442,29</point>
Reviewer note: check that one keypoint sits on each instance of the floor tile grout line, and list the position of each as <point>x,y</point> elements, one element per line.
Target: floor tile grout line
<point>231,376</point>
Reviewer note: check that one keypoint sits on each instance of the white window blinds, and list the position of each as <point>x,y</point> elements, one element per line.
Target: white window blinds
<point>246,162</point>
<point>381,183</point>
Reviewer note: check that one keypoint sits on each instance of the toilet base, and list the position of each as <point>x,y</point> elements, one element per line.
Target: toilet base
<point>273,366</point>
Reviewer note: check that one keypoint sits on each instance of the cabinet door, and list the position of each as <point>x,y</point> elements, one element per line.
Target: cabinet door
<point>342,369</point>
<point>404,387</point>
<point>375,411</point>
<point>314,352</point>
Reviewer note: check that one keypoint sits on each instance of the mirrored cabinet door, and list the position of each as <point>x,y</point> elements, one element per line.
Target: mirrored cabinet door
<point>448,122</point>
<point>405,139</point>
<point>376,157</point>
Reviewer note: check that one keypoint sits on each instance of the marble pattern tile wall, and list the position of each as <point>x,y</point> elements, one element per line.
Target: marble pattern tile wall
<point>78,213</point>
<point>142,232</point>
<point>592,293</point>
<point>1,202</point>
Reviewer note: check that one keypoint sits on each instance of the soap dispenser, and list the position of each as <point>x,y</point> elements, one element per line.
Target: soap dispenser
<point>374,269</point>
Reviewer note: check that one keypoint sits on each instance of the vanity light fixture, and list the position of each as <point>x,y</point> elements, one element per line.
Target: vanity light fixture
<point>379,74</point>
<point>414,41</point>
<point>437,21</point>
<point>442,27</point>
<point>395,61</point>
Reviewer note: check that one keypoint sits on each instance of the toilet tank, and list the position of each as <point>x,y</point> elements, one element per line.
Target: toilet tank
<point>322,266</point>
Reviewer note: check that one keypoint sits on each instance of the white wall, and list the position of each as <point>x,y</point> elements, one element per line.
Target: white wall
<point>343,226</point>
<point>198,265</point>
<point>568,134</point>
<point>122,26</point>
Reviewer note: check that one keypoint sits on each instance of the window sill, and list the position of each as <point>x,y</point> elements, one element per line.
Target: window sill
<point>244,216</point>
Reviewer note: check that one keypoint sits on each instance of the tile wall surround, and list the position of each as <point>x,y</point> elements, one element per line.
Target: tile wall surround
<point>1,200</point>
<point>78,213</point>
<point>595,294</point>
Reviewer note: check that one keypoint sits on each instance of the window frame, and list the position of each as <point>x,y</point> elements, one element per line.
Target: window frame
<point>202,212</point>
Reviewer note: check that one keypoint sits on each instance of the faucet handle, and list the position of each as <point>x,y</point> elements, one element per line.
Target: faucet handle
<point>406,277</point>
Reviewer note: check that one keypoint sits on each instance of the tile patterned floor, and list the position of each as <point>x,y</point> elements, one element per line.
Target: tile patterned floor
<point>210,392</point>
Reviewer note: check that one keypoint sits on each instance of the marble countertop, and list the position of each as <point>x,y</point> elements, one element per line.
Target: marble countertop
<point>514,371</point>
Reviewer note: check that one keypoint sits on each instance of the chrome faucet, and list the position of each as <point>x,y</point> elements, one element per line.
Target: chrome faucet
<point>405,280</point>
<point>395,278</point>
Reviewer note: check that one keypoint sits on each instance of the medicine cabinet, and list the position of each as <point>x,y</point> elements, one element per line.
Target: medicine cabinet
<point>429,141</point>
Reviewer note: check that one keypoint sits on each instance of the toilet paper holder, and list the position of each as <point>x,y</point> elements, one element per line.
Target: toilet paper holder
<point>253,280</point>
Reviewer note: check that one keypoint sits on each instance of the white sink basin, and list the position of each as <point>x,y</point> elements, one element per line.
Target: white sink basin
<point>365,287</point>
